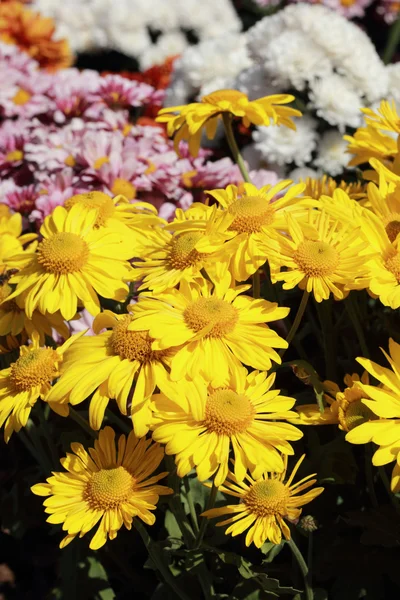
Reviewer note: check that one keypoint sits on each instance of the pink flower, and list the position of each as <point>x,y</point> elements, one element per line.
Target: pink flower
<point>354,8</point>
<point>51,148</point>
<point>118,92</point>
<point>389,9</point>
<point>22,199</point>
<point>54,192</point>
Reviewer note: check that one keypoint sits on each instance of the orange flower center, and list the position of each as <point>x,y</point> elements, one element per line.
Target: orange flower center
<point>70,161</point>
<point>14,156</point>
<point>351,410</point>
<point>316,259</point>
<point>109,488</point>
<point>267,498</point>
<point>392,263</point>
<point>34,369</point>
<point>100,162</point>
<point>97,200</point>
<point>250,213</point>
<point>123,187</point>
<point>133,345</point>
<point>21,97</point>
<point>228,413</point>
<point>182,252</point>
<point>63,253</point>
<point>218,316</point>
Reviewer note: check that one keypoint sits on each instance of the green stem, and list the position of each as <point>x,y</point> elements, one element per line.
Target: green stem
<point>297,320</point>
<point>44,465</point>
<point>204,520</point>
<point>392,43</point>
<point>44,426</point>
<point>157,560</point>
<point>192,507</point>
<point>328,336</point>
<point>385,480</point>
<point>309,595</point>
<point>370,476</point>
<point>237,157</point>
<point>256,285</point>
<point>310,556</point>
<point>81,422</point>
<point>352,311</point>
<point>176,504</point>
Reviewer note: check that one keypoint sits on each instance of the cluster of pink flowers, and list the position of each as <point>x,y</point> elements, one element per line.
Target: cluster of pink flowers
<point>74,131</point>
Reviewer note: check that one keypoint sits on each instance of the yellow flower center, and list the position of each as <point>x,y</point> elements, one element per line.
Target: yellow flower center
<point>315,258</point>
<point>352,412</point>
<point>217,315</point>
<point>227,96</point>
<point>227,412</point>
<point>21,97</point>
<point>392,264</point>
<point>108,488</point>
<point>14,155</point>
<point>100,162</point>
<point>123,187</point>
<point>267,498</point>
<point>347,2</point>
<point>97,200</point>
<point>133,345</point>
<point>182,253</point>
<point>34,369</point>
<point>5,291</point>
<point>63,253</point>
<point>250,213</point>
<point>392,226</point>
<point>70,161</point>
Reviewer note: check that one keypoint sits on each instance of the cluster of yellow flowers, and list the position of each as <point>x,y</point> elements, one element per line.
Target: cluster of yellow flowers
<point>189,361</point>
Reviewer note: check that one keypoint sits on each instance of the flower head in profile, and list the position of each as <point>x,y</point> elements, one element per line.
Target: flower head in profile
<point>213,329</point>
<point>27,380</point>
<point>188,121</point>
<point>322,262</point>
<point>326,186</point>
<point>107,486</point>
<point>265,505</point>
<point>384,201</point>
<point>73,263</point>
<point>383,402</point>
<point>126,368</point>
<point>200,424</point>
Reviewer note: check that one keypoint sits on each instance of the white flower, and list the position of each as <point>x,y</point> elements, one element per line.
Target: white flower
<point>255,83</point>
<point>336,101</point>
<point>283,145</point>
<point>332,157</point>
<point>394,81</point>
<point>170,44</point>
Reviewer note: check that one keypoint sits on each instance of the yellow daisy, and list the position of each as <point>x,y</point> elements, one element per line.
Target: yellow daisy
<point>265,504</point>
<point>368,142</point>
<point>332,258</point>
<point>215,329</point>
<point>257,214</point>
<point>209,422</point>
<point>384,403</point>
<point>12,240</point>
<point>73,263</point>
<point>26,380</point>
<point>116,363</point>
<point>325,186</point>
<point>108,484</point>
<point>186,122</point>
<point>384,201</point>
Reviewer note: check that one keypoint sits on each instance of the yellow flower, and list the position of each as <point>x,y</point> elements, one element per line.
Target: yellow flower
<point>201,424</point>
<point>73,264</point>
<point>107,484</point>
<point>384,402</point>
<point>325,186</point>
<point>264,505</point>
<point>384,201</point>
<point>12,241</point>
<point>171,257</point>
<point>214,328</point>
<point>26,380</point>
<point>108,364</point>
<point>342,207</point>
<point>187,121</point>
<point>256,214</point>
<point>324,263</point>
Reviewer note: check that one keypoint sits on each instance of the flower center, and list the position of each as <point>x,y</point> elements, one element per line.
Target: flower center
<point>133,345</point>
<point>227,412</point>
<point>250,213</point>
<point>392,264</point>
<point>34,369</point>
<point>392,226</point>
<point>70,161</point>
<point>316,258</point>
<point>99,162</point>
<point>108,488</point>
<point>267,498</point>
<point>63,253</point>
<point>182,253</point>
<point>98,200</point>
<point>355,414</point>
<point>218,316</point>
<point>123,187</point>
<point>21,97</point>
<point>14,155</point>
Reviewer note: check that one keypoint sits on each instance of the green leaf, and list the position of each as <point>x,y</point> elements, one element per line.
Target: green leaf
<point>171,525</point>
<point>97,571</point>
<point>271,550</point>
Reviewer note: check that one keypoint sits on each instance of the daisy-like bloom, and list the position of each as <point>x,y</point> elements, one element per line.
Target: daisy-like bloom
<point>208,422</point>
<point>118,92</point>
<point>187,122</point>
<point>116,363</point>
<point>384,201</point>
<point>214,328</point>
<point>334,257</point>
<point>383,401</point>
<point>264,505</point>
<point>325,186</point>
<point>107,484</point>
<point>256,214</point>
<point>27,380</point>
<point>74,262</point>
<point>34,34</point>
<point>171,257</point>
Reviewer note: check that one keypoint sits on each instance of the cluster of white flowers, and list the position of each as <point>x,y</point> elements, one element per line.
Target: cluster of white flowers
<point>126,25</point>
